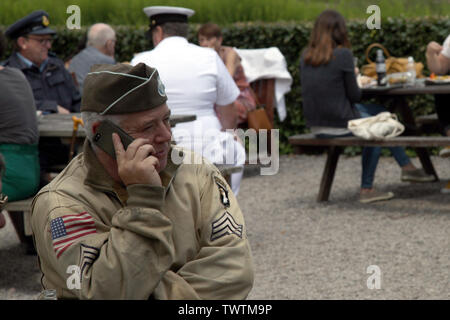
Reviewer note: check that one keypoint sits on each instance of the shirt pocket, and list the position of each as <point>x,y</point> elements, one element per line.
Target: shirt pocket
<point>55,79</point>
<point>58,89</point>
<point>38,91</point>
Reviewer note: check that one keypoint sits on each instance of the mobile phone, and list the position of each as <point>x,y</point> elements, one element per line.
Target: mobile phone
<point>103,137</point>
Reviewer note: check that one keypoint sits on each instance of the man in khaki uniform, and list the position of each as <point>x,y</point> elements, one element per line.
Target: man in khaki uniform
<point>147,225</point>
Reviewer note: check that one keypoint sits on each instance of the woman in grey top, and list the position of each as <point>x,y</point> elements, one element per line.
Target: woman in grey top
<point>330,95</point>
<point>18,135</point>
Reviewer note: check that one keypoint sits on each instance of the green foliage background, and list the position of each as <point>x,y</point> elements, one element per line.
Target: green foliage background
<point>129,12</point>
<point>401,36</point>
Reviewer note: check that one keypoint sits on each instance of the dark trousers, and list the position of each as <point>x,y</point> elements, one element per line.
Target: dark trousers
<point>51,153</point>
<point>442,105</point>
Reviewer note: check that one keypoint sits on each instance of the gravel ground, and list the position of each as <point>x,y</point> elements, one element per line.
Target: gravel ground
<point>305,250</point>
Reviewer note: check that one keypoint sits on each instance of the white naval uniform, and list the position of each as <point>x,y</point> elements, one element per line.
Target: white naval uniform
<point>195,80</point>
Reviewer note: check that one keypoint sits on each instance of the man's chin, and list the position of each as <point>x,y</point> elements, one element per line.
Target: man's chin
<point>162,158</point>
<point>162,164</point>
<point>44,57</point>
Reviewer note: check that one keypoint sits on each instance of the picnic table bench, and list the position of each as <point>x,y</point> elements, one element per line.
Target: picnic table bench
<point>412,136</point>
<point>336,145</point>
<point>428,123</point>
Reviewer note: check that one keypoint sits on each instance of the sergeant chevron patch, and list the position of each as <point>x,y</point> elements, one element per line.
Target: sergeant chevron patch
<point>225,225</point>
<point>88,255</point>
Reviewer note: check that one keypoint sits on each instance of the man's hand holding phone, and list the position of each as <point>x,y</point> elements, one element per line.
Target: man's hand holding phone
<point>136,165</point>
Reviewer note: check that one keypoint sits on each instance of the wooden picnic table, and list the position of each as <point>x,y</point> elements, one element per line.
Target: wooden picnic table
<point>399,94</point>
<point>413,136</point>
<point>61,125</point>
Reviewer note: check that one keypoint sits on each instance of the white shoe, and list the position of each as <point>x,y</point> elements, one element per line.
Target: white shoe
<point>445,152</point>
<point>374,196</point>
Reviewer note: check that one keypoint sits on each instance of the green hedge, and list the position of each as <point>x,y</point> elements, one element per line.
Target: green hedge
<point>400,36</point>
<point>220,11</point>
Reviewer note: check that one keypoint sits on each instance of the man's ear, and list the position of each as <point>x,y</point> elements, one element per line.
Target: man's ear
<point>110,47</point>
<point>157,35</point>
<point>21,43</point>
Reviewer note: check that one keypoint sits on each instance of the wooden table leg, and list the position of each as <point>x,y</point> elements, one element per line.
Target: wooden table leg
<point>17,219</point>
<point>18,223</point>
<point>425,160</point>
<point>328,173</point>
<point>407,117</point>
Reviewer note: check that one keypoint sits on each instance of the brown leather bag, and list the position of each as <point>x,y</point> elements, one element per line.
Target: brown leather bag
<point>393,64</point>
<point>257,119</point>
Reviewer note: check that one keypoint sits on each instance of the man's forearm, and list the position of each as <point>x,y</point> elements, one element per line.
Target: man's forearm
<point>227,116</point>
<point>437,63</point>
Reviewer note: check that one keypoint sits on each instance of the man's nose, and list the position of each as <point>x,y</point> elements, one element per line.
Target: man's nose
<point>164,133</point>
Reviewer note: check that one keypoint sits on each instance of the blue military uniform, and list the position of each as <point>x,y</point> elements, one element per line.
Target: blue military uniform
<point>52,87</point>
<point>52,84</point>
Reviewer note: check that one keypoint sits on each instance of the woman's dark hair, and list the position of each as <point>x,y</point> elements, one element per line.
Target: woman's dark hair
<point>328,33</point>
<point>210,30</point>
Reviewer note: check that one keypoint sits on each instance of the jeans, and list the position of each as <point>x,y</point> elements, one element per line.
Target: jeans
<point>371,155</point>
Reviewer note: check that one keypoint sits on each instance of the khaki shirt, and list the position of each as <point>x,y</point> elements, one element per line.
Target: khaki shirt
<point>185,240</point>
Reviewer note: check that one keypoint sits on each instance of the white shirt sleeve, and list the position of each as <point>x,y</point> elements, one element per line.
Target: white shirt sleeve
<point>227,90</point>
<point>446,51</point>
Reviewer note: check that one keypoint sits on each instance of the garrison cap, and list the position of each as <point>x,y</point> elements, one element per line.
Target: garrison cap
<point>35,23</point>
<point>161,14</point>
<point>122,88</point>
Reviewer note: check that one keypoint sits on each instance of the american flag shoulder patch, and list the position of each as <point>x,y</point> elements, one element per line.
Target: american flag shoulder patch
<point>225,225</point>
<point>67,229</point>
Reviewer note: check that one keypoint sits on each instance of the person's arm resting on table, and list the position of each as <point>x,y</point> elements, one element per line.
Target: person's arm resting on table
<point>438,57</point>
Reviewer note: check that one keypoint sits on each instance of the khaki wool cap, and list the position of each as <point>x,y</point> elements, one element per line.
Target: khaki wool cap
<point>122,88</point>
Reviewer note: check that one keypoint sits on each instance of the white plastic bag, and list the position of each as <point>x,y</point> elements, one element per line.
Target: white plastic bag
<point>382,126</point>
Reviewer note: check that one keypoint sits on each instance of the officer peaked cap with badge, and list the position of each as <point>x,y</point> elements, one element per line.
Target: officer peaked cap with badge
<point>35,23</point>
<point>122,88</point>
<point>161,14</point>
